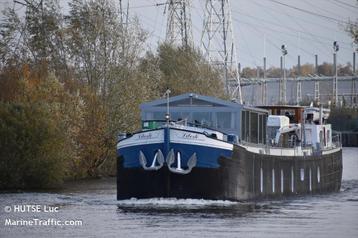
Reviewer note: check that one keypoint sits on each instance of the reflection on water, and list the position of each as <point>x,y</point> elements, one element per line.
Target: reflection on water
<point>94,202</point>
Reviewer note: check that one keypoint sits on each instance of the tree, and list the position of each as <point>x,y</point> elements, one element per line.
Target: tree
<point>99,43</point>
<point>325,69</point>
<point>274,72</point>
<point>34,152</point>
<point>35,39</point>
<point>104,53</point>
<point>185,70</point>
<point>248,72</point>
<point>352,29</point>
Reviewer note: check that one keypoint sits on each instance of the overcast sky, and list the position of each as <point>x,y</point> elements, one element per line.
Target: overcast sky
<point>259,21</point>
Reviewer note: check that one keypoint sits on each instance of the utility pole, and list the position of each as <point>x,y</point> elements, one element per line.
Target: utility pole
<point>316,82</point>
<point>335,79</point>
<point>179,25</point>
<point>283,80</point>
<point>218,44</point>
<point>264,84</point>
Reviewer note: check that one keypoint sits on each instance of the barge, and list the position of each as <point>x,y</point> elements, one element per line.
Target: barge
<point>195,146</point>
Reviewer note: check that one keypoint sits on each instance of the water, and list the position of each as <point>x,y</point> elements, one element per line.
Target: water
<point>94,203</point>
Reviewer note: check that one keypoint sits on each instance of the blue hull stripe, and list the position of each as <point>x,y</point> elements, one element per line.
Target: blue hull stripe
<point>207,157</point>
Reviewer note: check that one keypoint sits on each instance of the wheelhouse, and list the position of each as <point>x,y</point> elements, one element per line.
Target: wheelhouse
<point>247,123</point>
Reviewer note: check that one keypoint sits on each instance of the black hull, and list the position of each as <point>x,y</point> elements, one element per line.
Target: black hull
<point>245,176</point>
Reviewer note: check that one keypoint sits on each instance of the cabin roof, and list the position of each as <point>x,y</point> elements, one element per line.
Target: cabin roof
<point>197,100</point>
<point>184,98</point>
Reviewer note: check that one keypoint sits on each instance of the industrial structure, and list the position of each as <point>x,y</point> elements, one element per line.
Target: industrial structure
<point>334,89</point>
<point>179,25</point>
<point>218,47</point>
<point>218,44</point>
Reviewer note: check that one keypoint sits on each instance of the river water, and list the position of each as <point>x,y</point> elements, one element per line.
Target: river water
<point>93,203</point>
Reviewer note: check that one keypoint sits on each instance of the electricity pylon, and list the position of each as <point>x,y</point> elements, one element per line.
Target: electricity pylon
<point>218,44</point>
<point>179,25</point>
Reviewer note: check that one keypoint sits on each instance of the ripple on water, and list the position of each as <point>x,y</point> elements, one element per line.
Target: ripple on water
<point>94,202</point>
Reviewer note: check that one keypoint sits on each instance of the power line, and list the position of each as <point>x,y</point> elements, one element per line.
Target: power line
<point>347,4</point>
<point>312,36</point>
<point>287,27</point>
<point>314,39</point>
<point>343,6</point>
<point>302,31</point>
<point>329,27</point>
<point>312,13</point>
<point>248,48</point>
<point>153,26</point>
<point>313,6</point>
<point>148,5</point>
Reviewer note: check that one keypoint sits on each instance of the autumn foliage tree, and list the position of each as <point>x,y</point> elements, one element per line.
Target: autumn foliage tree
<point>69,83</point>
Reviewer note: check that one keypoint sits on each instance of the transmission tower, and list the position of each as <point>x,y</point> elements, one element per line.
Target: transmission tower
<point>179,25</point>
<point>219,45</point>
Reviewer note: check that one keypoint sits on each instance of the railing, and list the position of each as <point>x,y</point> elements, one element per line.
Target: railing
<point>278,150</point>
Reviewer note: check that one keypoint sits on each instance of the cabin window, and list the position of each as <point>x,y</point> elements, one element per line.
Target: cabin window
<point>178,116</point>
<point>247,126</point>
<point>260,129</point>
<point>254,130</point>
<point>159,116</point>
<point>264,128</point>
<point>223,120</point>
<point>175,116</point>
<point>243,128</point>
<point>253,127</point>
<point>202,118</point>
<point>148,116</point>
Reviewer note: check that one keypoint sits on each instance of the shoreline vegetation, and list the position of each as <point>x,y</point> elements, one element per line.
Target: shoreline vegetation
<point>70,83</point>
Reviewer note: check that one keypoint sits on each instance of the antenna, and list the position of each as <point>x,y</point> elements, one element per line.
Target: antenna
<point>218,44</point>
<point>167,95</point>
<point>179,25</point>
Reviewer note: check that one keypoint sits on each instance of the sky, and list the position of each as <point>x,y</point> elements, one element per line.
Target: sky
<point>261,26</point>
